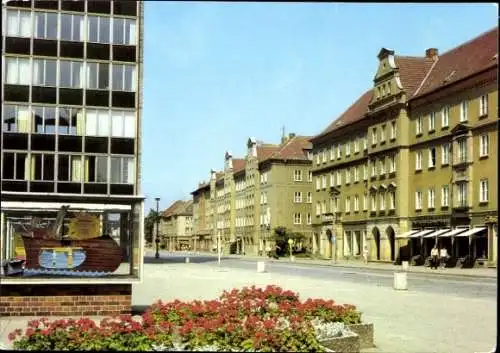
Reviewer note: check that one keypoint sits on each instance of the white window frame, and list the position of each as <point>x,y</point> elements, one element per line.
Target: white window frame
<point>122,70</point>
<point>431,163</point>
<point>19,78</point>
<point>373,202</point>
<point>297,197</point>
<point>419,125</point>
<point>365,202</point>
<point>382,200</point>
<point>309,197</point>
<point>356,146</point>
<point>332,153</point>
<point>347,176</point>
<point>323,181</point>
<point>365,172</point>
<point>445,116</point>
<point>46,27</point>
<point>90,27</point>
<point>297,218</point>
<point>483,105</point>
<point>431,198</point>
<point>318,208</point>
<point>127,23</point>
<point>445,154</point>
<point>356,203</point>
<point>392,164</point>
<point>309,176</point>
<point>374,136</point>
<point>339,151</point>
<point>483,191</point>
<point>74,35</point>
<point>393,130</point>
<point>418,160</point>
<point>464,107</point>
<point>445,196</point>
<point>318,158</point>
<point>382,133</point>
<point>348,148</point>
<point>347,204</point>
<point>374,168</point>
<point>339,178</point>
<point>297,175</point>
<point>356,174</point>
<point>382,166</point>
<point>392,200</point>
<point>432,121</point>
<point>22,26</point>
<point>484,142</point>
<point>418,200</point>
<point>309,218</point>
<point>332,179</point>
<point>324,156</point>
<point>45,75</point>
<point>73,71</point>
<point>318,182</point>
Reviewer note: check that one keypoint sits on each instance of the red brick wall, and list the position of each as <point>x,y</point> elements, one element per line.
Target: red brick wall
<point>65,300</point>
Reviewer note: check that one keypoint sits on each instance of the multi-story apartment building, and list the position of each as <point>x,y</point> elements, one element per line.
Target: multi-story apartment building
<point>71,107</point>
<point>269,188</point>
<point>176,226</point>
<point>410,162</point>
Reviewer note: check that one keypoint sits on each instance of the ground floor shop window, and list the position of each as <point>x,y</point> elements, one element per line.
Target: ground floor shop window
<point>71,239</point>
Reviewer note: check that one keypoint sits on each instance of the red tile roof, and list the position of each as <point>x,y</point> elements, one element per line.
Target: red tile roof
<point>412,70</point>
<point>171,209</point>
<point>295,148</point>
<point>265,151</point>
<point>465,60</point>
<point>238,164</point>
<point>354,113</point>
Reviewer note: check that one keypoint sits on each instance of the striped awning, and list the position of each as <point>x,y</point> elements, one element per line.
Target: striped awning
<point>421,233</point>
<point>436,233</point>
<point>471,232</point>
<point>453,232</point>
<point>406,234</point>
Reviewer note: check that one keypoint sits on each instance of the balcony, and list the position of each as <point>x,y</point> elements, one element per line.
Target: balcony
<point>327,218</point>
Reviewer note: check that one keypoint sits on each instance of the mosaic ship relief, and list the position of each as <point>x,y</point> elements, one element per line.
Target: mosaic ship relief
<point>83,251</point>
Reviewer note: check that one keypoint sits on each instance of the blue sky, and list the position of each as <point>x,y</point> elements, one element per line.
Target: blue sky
<point>216,73</point>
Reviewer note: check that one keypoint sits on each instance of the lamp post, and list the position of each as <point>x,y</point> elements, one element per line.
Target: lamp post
<point>157,238</point>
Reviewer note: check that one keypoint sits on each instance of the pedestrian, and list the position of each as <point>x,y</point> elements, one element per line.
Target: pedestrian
<point>268,250</point>
<point>443,254</point>
<point>365,254</point>
<point>434,257</point>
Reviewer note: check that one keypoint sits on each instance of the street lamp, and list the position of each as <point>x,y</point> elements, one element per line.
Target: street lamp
<point>157,238</point>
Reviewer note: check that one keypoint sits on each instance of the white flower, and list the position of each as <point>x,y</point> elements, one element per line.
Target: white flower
<point>326,330</point>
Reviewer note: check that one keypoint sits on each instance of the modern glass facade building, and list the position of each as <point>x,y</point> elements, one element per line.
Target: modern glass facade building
<point>71,109</point>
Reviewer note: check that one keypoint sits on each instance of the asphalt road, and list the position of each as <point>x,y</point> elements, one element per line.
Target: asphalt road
<point>452,285</point>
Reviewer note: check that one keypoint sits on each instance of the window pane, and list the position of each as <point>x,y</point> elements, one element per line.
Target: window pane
<point>118,35</point>
<point>9,118</point>
<point>92,75</point>
<point>77,28</point>
<point>101,169</point>
<point>12,23</point>
<point>130,32</point>
<point>50,72</point>
<point>11,70</point>
<point>91,123</point>
<point>129,172</point>
<point>51,26</point>
<point>117,77</point>
<point>93,28</point>
<point>117,124</point>
<point>130,78</point>
<point>38,119</point>
<point>50,120</point>
<point>104,32</point>
<point>103,123</point>
<point>103,76</point>
<point>65,73</point>
<point>24,71</point>
<point>40,25</point>
<point>25,27</point>
<point>76,68</point>
<point>115,170</point>
<point>66,27</point>
<point>64,120</point>
<point>8,166</point>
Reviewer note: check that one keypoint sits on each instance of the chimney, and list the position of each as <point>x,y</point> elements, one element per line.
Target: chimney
<point>431,53</point>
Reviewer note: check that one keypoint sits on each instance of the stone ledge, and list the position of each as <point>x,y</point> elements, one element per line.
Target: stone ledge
<point>365,333</point>
<point>346,344</point>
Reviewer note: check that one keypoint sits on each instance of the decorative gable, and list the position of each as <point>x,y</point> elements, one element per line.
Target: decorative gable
<point>387,82</point>
<point>228,160</point>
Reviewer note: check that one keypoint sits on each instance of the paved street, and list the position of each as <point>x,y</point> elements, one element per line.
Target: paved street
<point>437,314</point>
<point>459,316</point>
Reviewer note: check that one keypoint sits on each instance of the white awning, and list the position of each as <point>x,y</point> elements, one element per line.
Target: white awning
<point>436,233</point>
<point>453,232</point>
<point>406,234</point>
<point>421,233</point>
<point>471,232</point>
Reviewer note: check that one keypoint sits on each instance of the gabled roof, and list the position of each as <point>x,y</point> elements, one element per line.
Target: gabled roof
<point>412,70</point>
<point>266,150</point>
<point>179,207</point>
<point>465,60</point>
<point>354,113</point>
<point>294,147</point>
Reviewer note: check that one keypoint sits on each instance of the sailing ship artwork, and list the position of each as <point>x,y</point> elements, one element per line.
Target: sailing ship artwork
<point>83,251</point>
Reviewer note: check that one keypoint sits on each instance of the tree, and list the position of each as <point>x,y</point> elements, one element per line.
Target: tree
<point>282,235</point>
<point>149,225</point>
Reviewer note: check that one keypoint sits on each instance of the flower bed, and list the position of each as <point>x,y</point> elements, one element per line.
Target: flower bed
<point>250,319</point>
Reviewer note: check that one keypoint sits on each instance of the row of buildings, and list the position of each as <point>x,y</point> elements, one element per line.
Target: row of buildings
<point>410,163</point>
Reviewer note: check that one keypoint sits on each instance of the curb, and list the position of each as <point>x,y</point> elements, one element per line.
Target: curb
<point>478,276</point>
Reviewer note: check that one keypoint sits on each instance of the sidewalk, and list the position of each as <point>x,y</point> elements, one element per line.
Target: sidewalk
<point>383,266</point>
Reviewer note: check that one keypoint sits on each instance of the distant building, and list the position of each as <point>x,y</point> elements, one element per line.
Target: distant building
<point>269,188</point>
<point>176,226</point>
